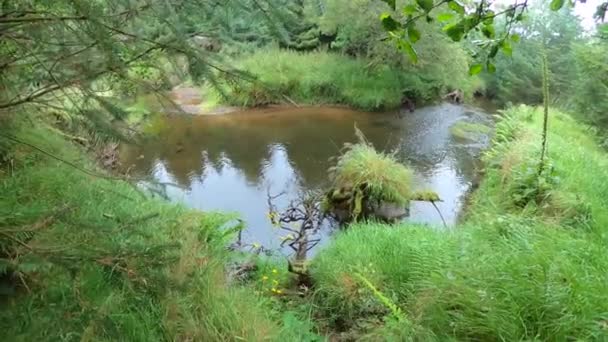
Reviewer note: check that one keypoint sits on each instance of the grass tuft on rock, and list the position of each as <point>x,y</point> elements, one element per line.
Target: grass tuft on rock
<point>379,175</point>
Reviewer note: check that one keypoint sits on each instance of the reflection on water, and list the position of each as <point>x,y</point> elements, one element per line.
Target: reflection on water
<point>228,162</point>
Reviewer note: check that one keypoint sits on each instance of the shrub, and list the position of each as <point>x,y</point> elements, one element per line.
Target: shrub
<point>329,78</point>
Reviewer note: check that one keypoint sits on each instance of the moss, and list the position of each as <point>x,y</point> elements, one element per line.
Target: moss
<point>425,195</point>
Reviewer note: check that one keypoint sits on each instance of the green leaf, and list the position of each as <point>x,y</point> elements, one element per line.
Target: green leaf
<point>456,7</point>
<point>391,3</point>
<point>455,31</point>
<point>475,69</point>
<point>556,5</point>
<point>413,34</point>
<point>426,5</point>
<point>488,31</point>
<point>489,17</point>
<point>410,9</point>
<point>443,17</point>
<point>409,49</point>
<point>491,67</point>
<point>389,23</point>
<point>493,51</point>
<point>515,37</point>
<point>506,48</point>
<point>471,21</point>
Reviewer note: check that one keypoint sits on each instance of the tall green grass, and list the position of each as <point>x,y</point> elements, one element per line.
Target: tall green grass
<point>575,196</point>
<point>87,258</point>
<point>330,78</point>
<point>510,272</point>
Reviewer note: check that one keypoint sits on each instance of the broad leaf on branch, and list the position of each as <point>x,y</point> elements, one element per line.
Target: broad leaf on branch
<point>488,31</point>
<point>456,7</point>
<point>506,48</point>
<point>443,17</point>
<point>409,9</point>
<point>413,34</point>
<point>391,3</point>
<point>409,49</point>
<point>455,31</point>
<point>475,69</point>
<point>556,5</point>
<point>491,67</point>
<point>426,5</point>
<point>389,23</point>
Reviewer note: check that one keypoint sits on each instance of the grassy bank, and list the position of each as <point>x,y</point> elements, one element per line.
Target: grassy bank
<point>88,258</point>
<point>85,258</point>
<point>331,78</point>
<point>528,264</point>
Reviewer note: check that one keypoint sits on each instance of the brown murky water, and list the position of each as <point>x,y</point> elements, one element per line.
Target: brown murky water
<point>227,162</point>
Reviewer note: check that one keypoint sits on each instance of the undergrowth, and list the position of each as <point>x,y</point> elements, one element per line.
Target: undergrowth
<point>284,76</point>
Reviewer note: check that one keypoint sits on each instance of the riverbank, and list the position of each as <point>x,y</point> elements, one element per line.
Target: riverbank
<point>528,262</point>
<point>85,257</point>
<point>274,76</point>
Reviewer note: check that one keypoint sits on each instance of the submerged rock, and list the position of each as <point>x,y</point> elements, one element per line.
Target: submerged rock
<point>470,131</point>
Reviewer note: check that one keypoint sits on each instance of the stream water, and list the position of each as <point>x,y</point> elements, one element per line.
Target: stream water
<point>230,162</point>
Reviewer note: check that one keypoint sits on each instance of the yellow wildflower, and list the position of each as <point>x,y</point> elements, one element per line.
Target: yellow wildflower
<point>274,270</point>
<point>279,291</point>
<point>264,278</point>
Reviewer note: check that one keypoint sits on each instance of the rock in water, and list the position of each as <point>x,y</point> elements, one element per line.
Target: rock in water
<point>389,212</point>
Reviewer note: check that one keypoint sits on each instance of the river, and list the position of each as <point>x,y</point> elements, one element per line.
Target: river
<point>230,162</point>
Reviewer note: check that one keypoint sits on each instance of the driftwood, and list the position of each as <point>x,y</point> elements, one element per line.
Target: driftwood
<point>301,219</point>
<point>456,96</point>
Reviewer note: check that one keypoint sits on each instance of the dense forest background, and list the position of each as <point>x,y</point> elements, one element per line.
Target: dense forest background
<point>82,57</point>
